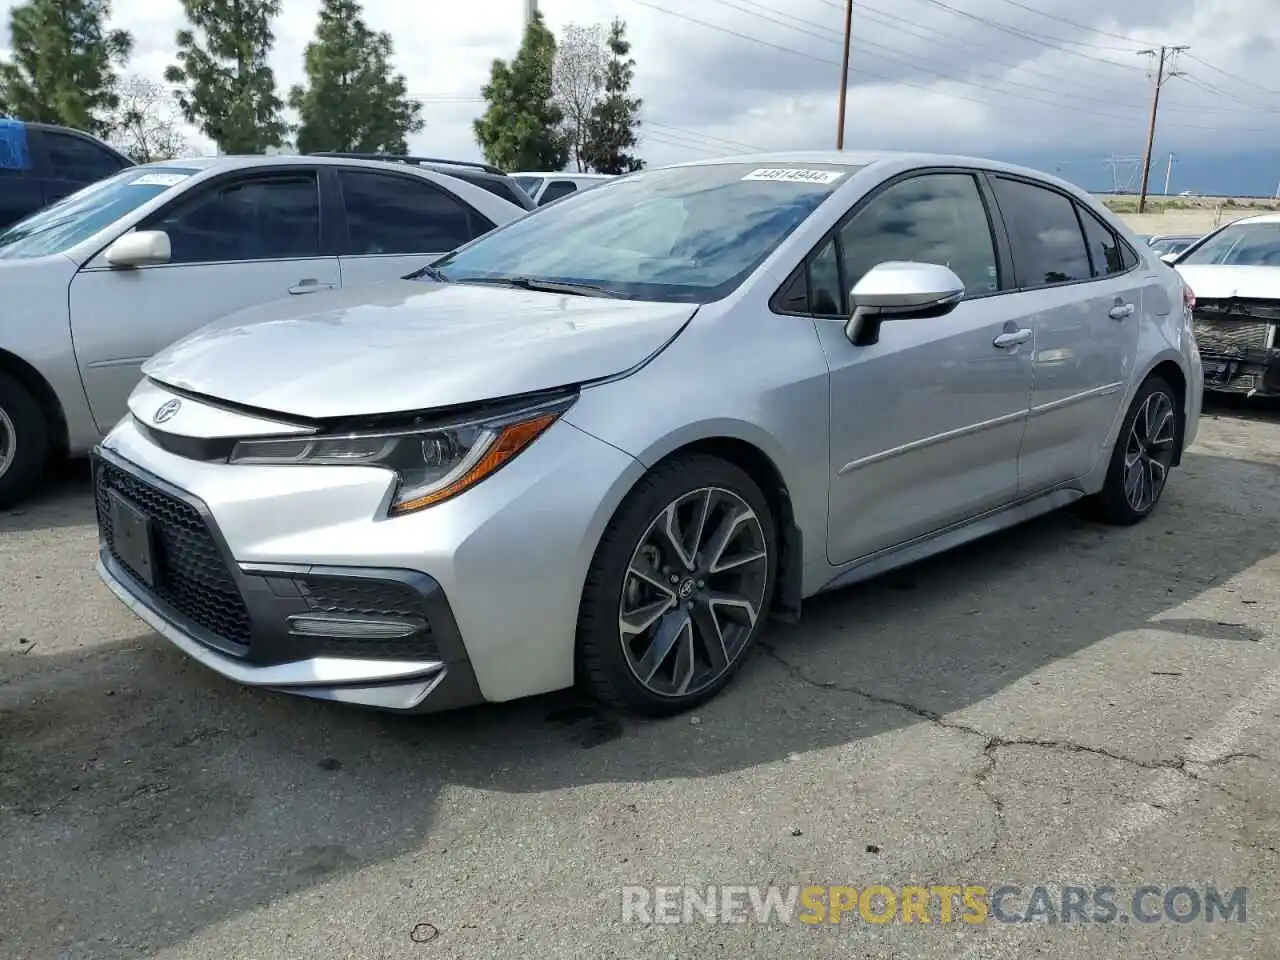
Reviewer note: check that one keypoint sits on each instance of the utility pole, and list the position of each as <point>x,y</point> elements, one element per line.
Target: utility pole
<point>530,12</point>
<point>1164,56</point>
<point>844,73</point>
<point>1168,174</point>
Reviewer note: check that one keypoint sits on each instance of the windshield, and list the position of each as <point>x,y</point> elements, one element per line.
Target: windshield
<point>528,184</point>
<point>59,227</point>
<point>1239,244</point>
<point>679,234</point>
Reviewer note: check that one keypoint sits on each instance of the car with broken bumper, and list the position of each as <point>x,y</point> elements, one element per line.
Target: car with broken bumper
<point>1234,274</point>
<point>606,443</point>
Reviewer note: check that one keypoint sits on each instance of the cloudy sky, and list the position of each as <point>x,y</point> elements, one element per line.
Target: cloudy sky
<point>723,76</point>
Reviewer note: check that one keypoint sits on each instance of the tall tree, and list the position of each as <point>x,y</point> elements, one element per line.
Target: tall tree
<point>615,119</point>
<point>577,84</point>
<point>520,129</point>
<point>62,66</point>
<point>224,84</point>
<point>352,100</point>
<point>145,125</point>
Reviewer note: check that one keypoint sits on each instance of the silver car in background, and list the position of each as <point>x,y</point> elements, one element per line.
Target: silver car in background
<point>604,443</point>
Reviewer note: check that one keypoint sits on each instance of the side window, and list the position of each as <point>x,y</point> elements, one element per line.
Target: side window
<point>826,298</point>
<point>269,218</point>
<point>1128,256</point>
<point>75,158</point>
<point>1104,246</point>
<point>397,215</point>
<point>1047,241</point>
<point>933,218</point>
<point>555,190</point>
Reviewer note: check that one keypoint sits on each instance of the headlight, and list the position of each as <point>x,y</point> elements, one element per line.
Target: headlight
<point>432,464</point>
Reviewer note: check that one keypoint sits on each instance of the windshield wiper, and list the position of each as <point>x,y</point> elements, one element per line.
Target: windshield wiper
<point>430,272</point>
<point>571,287</point>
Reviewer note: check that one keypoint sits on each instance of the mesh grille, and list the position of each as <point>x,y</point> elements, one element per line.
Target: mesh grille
<point>382,598</point>
<point>190,575</point>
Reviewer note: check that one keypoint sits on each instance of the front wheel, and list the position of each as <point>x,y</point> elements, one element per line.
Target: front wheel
<point>24,442</point>
<point>679,588</point>
<point>1142,457</point>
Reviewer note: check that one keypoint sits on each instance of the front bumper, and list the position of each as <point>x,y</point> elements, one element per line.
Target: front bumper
<point>375,637</point>
<point>1253,372</point>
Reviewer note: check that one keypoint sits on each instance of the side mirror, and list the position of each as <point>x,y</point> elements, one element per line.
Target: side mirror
<point>1168,257</point>
<point>900,289</point>
<point>139,248</point>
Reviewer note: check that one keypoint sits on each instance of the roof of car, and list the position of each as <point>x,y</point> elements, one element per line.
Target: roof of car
<point>568,174</point>
<point>1260,218</point>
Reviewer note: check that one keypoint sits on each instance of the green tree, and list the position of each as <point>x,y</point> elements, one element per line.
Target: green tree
<point>224,84</point>
<point>62,63</point>
<point>615,119</point>
<point>352,100</point>
<point>520,129</point>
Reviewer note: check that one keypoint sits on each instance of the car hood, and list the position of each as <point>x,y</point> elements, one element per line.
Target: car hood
<point>412,345</point>
<point>1210,281</point>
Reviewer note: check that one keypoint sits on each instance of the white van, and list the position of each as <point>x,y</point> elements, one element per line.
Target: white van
<point>545,187</point>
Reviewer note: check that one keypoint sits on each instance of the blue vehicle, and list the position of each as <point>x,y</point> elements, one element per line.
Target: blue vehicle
<point>41,163</point>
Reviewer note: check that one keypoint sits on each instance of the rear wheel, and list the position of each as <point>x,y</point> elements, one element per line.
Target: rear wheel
<point>679,588</point>
<point>1142,457</point>
<point>24,442</point>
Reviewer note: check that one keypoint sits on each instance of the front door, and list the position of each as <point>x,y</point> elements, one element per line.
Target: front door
<point>236,243</point>
<point>1083,294</point>
<point>397,223</point>
<point>926,423</point>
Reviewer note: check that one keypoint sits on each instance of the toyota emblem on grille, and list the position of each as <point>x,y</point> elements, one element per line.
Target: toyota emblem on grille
<point>168,410</point>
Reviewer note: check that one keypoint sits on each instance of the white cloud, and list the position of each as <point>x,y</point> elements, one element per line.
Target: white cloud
<point>710,91</point>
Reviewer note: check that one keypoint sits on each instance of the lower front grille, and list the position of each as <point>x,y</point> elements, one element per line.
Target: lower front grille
<point>190,573</point>
<point>373,597</point>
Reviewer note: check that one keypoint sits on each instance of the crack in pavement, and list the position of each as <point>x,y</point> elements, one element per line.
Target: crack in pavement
<point>993,743</point>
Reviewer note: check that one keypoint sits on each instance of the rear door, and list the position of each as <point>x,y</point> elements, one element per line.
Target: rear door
<point>395,223</point>
<point>73,161</point>
<point>239,240</point>
<point>1082,293</point>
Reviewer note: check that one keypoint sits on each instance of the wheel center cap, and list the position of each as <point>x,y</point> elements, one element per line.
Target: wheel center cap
<point>686,588</point>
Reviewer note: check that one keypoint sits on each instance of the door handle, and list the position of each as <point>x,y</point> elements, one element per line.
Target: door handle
<point>1012,339</point>
<point>1121,310</point>
<point>310,285</point>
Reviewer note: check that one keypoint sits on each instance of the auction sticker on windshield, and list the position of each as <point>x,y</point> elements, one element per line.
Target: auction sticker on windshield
<point>795,175</point>
<point>159,180</point>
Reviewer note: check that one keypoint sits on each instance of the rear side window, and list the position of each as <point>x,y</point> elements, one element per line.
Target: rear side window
<point>555,190</point>
<point>75,158</point>
<point>398,215</point>
<point>1048,244</point>
<point>1104,246</point>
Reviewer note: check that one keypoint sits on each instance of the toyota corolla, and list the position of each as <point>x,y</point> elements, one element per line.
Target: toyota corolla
<point>606,443</point>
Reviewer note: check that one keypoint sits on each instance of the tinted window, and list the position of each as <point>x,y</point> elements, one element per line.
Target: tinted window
<point>826,296</point>
<point>680,234</point>
<point>555,190</point>
<point>75,158</point>
<point>60,227</point>
<point>1240,244</point>
<point>276,218</point>
<point>388,214</point>
<point>1047,242</point>
<point>935,218</point>
<point>1104,247</point>
<point>1128,256</point>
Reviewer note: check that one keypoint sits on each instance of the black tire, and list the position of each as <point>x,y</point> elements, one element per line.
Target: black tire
<point>29,445</point>
<point>1111,504</point>
<point>603,667</point>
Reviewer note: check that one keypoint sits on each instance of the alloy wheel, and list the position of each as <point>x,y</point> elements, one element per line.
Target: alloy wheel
<point>1149,452</point>
<point>8,442</point>
<point>693,591</point>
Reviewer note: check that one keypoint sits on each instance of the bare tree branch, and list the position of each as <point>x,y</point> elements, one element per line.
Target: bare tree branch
<point>145,125</point>
<point>577,83</point>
